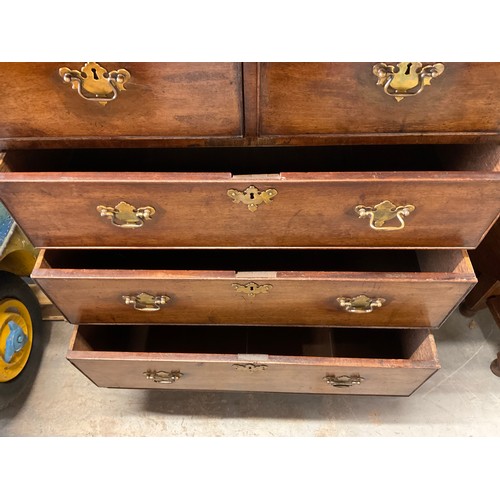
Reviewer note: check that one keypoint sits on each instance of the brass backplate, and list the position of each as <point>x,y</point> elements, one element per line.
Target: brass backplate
<point>126,215</point>
<point>360,304</point>
<point>409,79</point>
<point>384,212</point>
<point>145,301</point>
<point>250,367</point>
<point>343,380</point>
<point>252,289</point>
<point>163,377</point>
<point>252,197</point>
<point>95,83</point>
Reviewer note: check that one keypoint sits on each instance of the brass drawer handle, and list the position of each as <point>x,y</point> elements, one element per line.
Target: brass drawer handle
<point>146,302</point>
<point>408,80</point>
<point>126,215</point>
<point>383,212</point>
<point>252,196</point>
<point>343,380</point>
<point>252,289</point>
<point>95,83</point>
<point>162,377</point>
<point>360,304</point>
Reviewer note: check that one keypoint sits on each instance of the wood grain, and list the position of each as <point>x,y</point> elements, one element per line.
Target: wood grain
<point>453,210</point>
<point>166,100</point>
<point>298,99</point>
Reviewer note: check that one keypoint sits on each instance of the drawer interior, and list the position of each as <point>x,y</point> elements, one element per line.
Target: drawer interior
<point>254,341</point>
<point>247,261</point>
<point>259,159</point>
<point>238,260</point>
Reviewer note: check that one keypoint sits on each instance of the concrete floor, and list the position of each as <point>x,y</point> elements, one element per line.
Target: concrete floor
<point>462,399</point>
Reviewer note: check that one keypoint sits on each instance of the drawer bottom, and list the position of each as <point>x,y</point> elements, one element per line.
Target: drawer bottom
<point>265,359</point>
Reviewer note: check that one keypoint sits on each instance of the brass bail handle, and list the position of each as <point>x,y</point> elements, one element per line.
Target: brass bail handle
<point>146,302</point>
<point>343,380</point>
<point>408,80</point>
<point>95,83</point>
<point>384,212</point>
<point>126,215</point>
<point>163,377</point>
<point>361,304</point>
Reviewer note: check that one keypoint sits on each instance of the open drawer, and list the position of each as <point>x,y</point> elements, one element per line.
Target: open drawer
<point>301,360</point>
<point>396,288</point>
<point>325,197</point>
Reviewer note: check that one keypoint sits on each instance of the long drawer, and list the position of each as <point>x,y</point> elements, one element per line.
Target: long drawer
<point>299,360</point>
<point>176,100</point>
<point>309,207</point>
<point>315,287</point>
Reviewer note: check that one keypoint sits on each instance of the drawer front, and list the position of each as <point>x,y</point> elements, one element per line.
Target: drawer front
<point>413,299</point>
<point>261,373</point>
<point>344,98</point>
<point>159,100</point>
<point>426,210</point>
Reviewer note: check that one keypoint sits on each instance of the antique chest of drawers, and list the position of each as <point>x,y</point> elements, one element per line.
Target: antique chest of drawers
<point>255,227</point>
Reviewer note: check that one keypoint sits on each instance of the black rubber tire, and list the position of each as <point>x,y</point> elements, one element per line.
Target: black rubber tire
<point>12,286</point>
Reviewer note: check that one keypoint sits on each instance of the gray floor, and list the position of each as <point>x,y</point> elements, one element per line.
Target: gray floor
<point>462,399</point>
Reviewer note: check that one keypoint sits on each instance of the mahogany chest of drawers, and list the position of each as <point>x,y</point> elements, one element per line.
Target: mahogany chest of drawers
<point>256,227</point>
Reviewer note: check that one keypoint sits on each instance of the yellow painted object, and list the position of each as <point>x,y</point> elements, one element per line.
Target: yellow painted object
<point>14,313</point>
<point>18,256</point>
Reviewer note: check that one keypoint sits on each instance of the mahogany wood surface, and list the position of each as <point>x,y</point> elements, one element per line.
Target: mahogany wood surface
<point>453,210</point>
<point>412,299</point>
<point>299,99</point>
<point>235,104</point>
<point>164,100</point>
<point>213,125</point>
<point>284,373</point>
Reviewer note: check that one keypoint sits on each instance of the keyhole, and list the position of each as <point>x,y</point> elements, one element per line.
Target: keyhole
<point>97,78</point>
<point>252,196</point>
<point>251,288</point>
<point>407,72</point>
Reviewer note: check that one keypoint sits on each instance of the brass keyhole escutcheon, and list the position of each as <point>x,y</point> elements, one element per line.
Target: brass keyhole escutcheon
<point>409,79</point>
<point>252,197</point>
<point>252,289</point>
<point>250,367</point>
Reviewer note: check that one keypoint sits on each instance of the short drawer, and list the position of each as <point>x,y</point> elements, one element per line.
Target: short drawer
<point>315,287</point>
<point>297,360</point>
<point>159,100</point>
<point>316,205</point>
<point>314,100</point>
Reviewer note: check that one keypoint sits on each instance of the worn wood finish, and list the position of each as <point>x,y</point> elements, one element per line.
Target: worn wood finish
<point>210,370</point>
<point>324,99</point>
<point>178,100</point>
<point>453,209</point>
<point>299,297</point>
